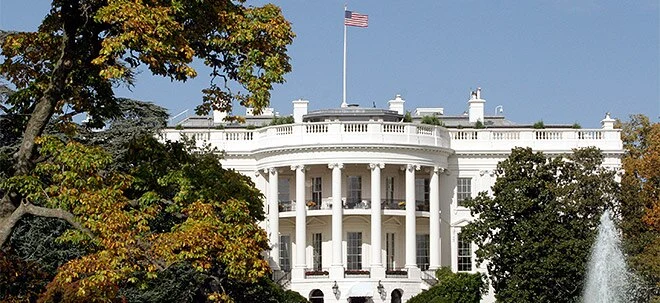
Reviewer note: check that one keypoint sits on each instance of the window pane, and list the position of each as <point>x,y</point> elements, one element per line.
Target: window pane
<point>283,189</point>
<point>464,254</point>
<point>389,246</point>
<point>285,252</point>
<point>423,251</point>
<point>316,191</point>
<point>318,255</point>
<point>354,193</point>
<point>463,190</point>
<point>354,251</point>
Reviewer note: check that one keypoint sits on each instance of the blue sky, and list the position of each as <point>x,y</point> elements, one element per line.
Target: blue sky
<point>560,61</point>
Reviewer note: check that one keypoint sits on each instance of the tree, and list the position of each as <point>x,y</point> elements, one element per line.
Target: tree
<point>640,211</point>
<point>537,229</point>
<point>83,48</point>
<point>213,229</point>
<point>454,288</point>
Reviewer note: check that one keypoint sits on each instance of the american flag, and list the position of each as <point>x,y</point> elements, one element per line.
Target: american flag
<point>355,19</point>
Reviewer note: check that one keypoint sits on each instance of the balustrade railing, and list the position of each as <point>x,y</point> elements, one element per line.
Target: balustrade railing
<point>397,133</point>
<point>287,206</point>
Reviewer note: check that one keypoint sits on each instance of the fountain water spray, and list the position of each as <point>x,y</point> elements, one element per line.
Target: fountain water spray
<point>608,277</point>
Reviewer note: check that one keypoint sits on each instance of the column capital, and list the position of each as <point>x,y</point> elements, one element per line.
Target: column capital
<point>438,169</point>
<point>337,165</point>
<point>411,167</point>
<point>374,165</point>
<point>271,170</point>
<point>485,171</point>
<point>297,167</point>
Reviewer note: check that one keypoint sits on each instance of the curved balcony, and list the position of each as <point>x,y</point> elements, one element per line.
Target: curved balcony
<point>395,133</point>
<point>317,133</point>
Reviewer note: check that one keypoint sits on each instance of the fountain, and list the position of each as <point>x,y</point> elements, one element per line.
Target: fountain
<point>608,277</point>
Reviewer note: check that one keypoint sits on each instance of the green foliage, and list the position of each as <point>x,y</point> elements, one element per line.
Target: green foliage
<point>282,120</point>
<point>479,125</point>
<point>20,281</point>
<point>538,125</point>
<point>178,127</point>
<point>407,117</point>
<point>538,227</point>
<point>454,288</point>
<point>640,211</point>
<point>576,126</point>
<point>433,120</point>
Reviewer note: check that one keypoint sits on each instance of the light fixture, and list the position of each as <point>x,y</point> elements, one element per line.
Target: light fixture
<point>335,290</point>
<point>381,290</point>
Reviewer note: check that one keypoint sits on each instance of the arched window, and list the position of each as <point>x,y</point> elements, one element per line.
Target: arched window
<point>396,296</point>
<point>316,296</point>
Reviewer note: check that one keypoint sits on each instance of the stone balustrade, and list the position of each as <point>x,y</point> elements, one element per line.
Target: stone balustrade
<point>387,133</point>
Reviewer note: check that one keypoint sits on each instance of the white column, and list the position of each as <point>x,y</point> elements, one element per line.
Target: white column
<point>377,269</point>
<point>300,262</point>
<point>434,219</point>
<point>274,217</point>
<point>337,265</point>
<point>411,231</point>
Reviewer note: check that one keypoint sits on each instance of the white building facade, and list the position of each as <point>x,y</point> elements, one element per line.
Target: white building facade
<point>362,207</point>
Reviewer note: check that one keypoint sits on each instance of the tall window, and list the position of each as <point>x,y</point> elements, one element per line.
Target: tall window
<point>285,252</point>
<point>283,194</point>
<point>354,191</point>
<point>464,254</point>
<point>316,190</point>
<point>423,251</point>
<point>389,189</point>
<point>422,193</point>
<point>463,190</point>
<point>283,190</point>
<point>389,251</point>
<point>354,251</point>
<point>318,255</point>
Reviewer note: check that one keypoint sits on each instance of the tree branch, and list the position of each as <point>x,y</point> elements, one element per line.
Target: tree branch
<point>7,224</point>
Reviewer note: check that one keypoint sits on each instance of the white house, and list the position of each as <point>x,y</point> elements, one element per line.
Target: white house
<point>362,207</point>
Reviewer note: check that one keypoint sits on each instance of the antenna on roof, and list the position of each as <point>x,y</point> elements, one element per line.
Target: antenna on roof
<point>179,114</point>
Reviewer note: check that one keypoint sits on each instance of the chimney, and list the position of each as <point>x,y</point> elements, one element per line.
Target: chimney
<point>476,106</point>
<point>397,104</point>
<point>607,123</point>
<point>299,110</point>
<point>219,117</point>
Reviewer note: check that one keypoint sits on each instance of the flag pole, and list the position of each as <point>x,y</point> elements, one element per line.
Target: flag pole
<point>343,100</point>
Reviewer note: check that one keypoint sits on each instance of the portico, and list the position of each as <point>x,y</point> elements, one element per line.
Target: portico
<point>335,194</point>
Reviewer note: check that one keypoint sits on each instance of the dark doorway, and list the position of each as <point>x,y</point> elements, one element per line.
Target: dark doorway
<point>316,296</point>
<point>357,300</point>
<point>396,296</point>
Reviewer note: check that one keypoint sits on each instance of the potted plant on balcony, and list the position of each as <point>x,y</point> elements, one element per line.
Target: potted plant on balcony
<point>316,273</point>
<point>311,204</point>
<point>396,272</point>
<point>356,272</point>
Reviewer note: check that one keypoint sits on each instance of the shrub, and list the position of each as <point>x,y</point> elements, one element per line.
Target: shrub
<point>282,120</point>
<point>407,117</point>
<point>539,125</point>
<point>433,120</point>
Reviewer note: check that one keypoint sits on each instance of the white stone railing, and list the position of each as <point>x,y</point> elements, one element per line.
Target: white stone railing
<point>361,133</point>
<point>315,134</point>
<point>538,139</point>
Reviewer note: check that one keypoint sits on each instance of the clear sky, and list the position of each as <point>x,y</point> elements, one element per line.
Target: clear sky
<point>560,61</point>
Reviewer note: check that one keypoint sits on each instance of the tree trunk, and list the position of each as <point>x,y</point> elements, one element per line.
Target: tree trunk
<point>43,111</point>
<point>7,224</point>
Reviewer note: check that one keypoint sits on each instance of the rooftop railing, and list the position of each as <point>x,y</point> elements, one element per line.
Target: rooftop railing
<point>393,133</point>
<point>318,133</point>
